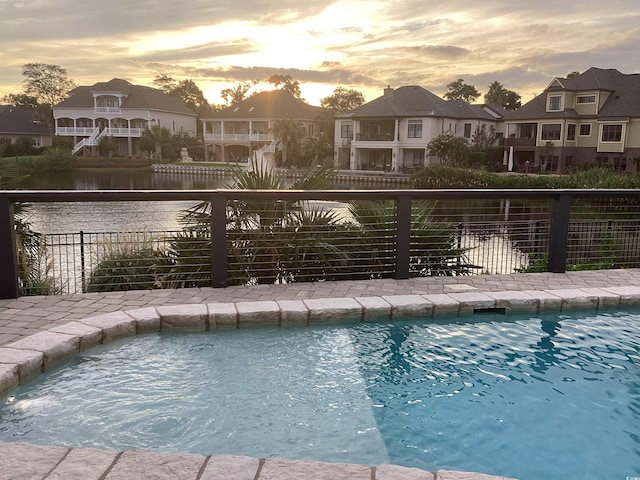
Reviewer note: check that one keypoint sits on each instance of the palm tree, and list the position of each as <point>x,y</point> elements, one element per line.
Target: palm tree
<point>154,139</point>
<point>289,133</point>
<point>256,229</point>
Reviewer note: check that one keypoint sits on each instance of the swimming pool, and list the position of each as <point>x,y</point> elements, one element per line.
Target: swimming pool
<point>524,396</point>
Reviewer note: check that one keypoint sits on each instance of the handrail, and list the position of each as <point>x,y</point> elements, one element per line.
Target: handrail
<point>559,226</point>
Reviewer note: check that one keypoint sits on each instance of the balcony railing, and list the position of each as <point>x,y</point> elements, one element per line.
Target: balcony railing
<point>125,132</point>
<point>520,142</point>
<point>77,131</point>
<point>375,137</point>
<point>468,232</point>
<point>239,137</point>
<point>115,110</point>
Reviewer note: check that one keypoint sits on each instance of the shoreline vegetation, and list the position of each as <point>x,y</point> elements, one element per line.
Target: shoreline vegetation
<point>431,177</point>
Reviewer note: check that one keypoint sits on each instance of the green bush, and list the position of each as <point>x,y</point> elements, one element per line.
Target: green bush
<point>143,269</point>
<point>440,176</point>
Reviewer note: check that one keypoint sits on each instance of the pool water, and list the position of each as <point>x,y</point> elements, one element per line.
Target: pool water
<point>527,397</point>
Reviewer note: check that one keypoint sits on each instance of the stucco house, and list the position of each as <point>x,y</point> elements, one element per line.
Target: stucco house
<point>244,129</point>
<point>391,133</point>
<point>16,123</point>
<point>121,110</point>
<point>593,118</point>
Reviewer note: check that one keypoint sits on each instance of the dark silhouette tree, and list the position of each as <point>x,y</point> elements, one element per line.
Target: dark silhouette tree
<point>343,100</point>
<point>459,90</point>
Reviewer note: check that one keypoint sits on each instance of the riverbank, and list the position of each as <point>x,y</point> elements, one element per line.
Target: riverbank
<point>345,177</point>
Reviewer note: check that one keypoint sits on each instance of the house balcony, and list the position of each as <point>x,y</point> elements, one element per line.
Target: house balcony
<point>87,131</point>
<point>239,137</point>
<point>125,132</point>
<point>520,142</point>
<point>103,110</point>
<point>74,131</point>
<point>375,137</point>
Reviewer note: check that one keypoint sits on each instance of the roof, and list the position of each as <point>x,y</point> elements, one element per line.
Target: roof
<point>137,97</point>
<point>416,101</point>
<point>271,104</point>
<point>21,121</point>
<point>623,101</point>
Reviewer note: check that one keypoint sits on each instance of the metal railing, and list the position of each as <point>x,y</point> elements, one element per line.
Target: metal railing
<point>267,236</point>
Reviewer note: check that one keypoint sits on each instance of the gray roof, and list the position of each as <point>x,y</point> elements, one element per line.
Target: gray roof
<point>271,104</point>
<point>137,97</point>
<point>624,101</point>
<point>21,121</point>
<point>416,101</point>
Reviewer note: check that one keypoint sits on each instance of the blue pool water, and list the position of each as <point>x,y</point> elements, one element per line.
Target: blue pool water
<point>544,397</point>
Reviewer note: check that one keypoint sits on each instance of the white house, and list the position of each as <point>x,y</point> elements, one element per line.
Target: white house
<point>391,133</point>
<point>121,110</point>
<point>244,129</point>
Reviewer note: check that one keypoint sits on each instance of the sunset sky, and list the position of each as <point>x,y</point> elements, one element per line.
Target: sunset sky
<point>365,45</point>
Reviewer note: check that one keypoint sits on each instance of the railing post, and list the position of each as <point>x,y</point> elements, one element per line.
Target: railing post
<point>218,241</point>
<point>559,234</point>
<point>403,236</point>
<point>82,263</point>
<point>9,267</point>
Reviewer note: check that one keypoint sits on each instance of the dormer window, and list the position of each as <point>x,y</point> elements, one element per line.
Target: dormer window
<point>555,103</point>
<point>586,99</point>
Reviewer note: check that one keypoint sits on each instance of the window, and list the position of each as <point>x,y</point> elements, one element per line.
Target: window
<point>551,131</point>
<point>555,103</point>
<point>585,130</point>
<point>586,99</point>
<point>312,129</point>
<point>467,130</point>
<point>415,129</point>
<point>346,130</point>
<point>611,133</point>
<point>620,164</point>
<point>602,160</point>
<point>571,131</point>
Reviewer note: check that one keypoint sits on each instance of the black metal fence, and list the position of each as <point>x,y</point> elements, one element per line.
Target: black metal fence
<point>250,237</point>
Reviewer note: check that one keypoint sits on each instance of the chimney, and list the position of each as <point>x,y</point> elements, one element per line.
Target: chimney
<point>388,90</point>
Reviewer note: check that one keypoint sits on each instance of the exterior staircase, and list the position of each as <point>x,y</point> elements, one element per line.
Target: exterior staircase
<point>90,141</point>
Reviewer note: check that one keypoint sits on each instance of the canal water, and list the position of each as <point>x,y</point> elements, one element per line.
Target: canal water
<point>492,250</point>
<point>113,216</point>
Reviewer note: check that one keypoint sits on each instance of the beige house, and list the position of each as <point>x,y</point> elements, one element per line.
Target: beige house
<point>17,123</point>
<point>593,118</point>
<point>244,130</point>
<point>391,133</point>
<point>121,110</point>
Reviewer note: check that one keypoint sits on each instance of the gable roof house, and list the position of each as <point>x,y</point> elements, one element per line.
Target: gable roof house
<point>244,129</point>
<point>593,118</point>
<point>391,133</point>
<point>121,110</point>
<point>16,123</point>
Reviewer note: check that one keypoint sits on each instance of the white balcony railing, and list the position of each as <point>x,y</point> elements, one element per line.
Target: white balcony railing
<point>84,131</point>
<point>238,137</point>
<point>106,110</point>
<point>125,132</point>
<point>79,131</point>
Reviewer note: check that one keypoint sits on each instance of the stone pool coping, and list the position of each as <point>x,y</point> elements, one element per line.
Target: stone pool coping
<point>22,360</point>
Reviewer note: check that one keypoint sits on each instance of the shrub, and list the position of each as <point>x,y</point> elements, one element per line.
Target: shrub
<point>143,269</point>
<point>56,159</point>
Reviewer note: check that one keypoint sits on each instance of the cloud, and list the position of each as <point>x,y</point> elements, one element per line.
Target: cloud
<point>365,44</point>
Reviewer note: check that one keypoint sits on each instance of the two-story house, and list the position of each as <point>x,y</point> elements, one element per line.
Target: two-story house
<point>121,110</point>
<point>391,133</point>
<point>244,129</point>
<point>593,118</point>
